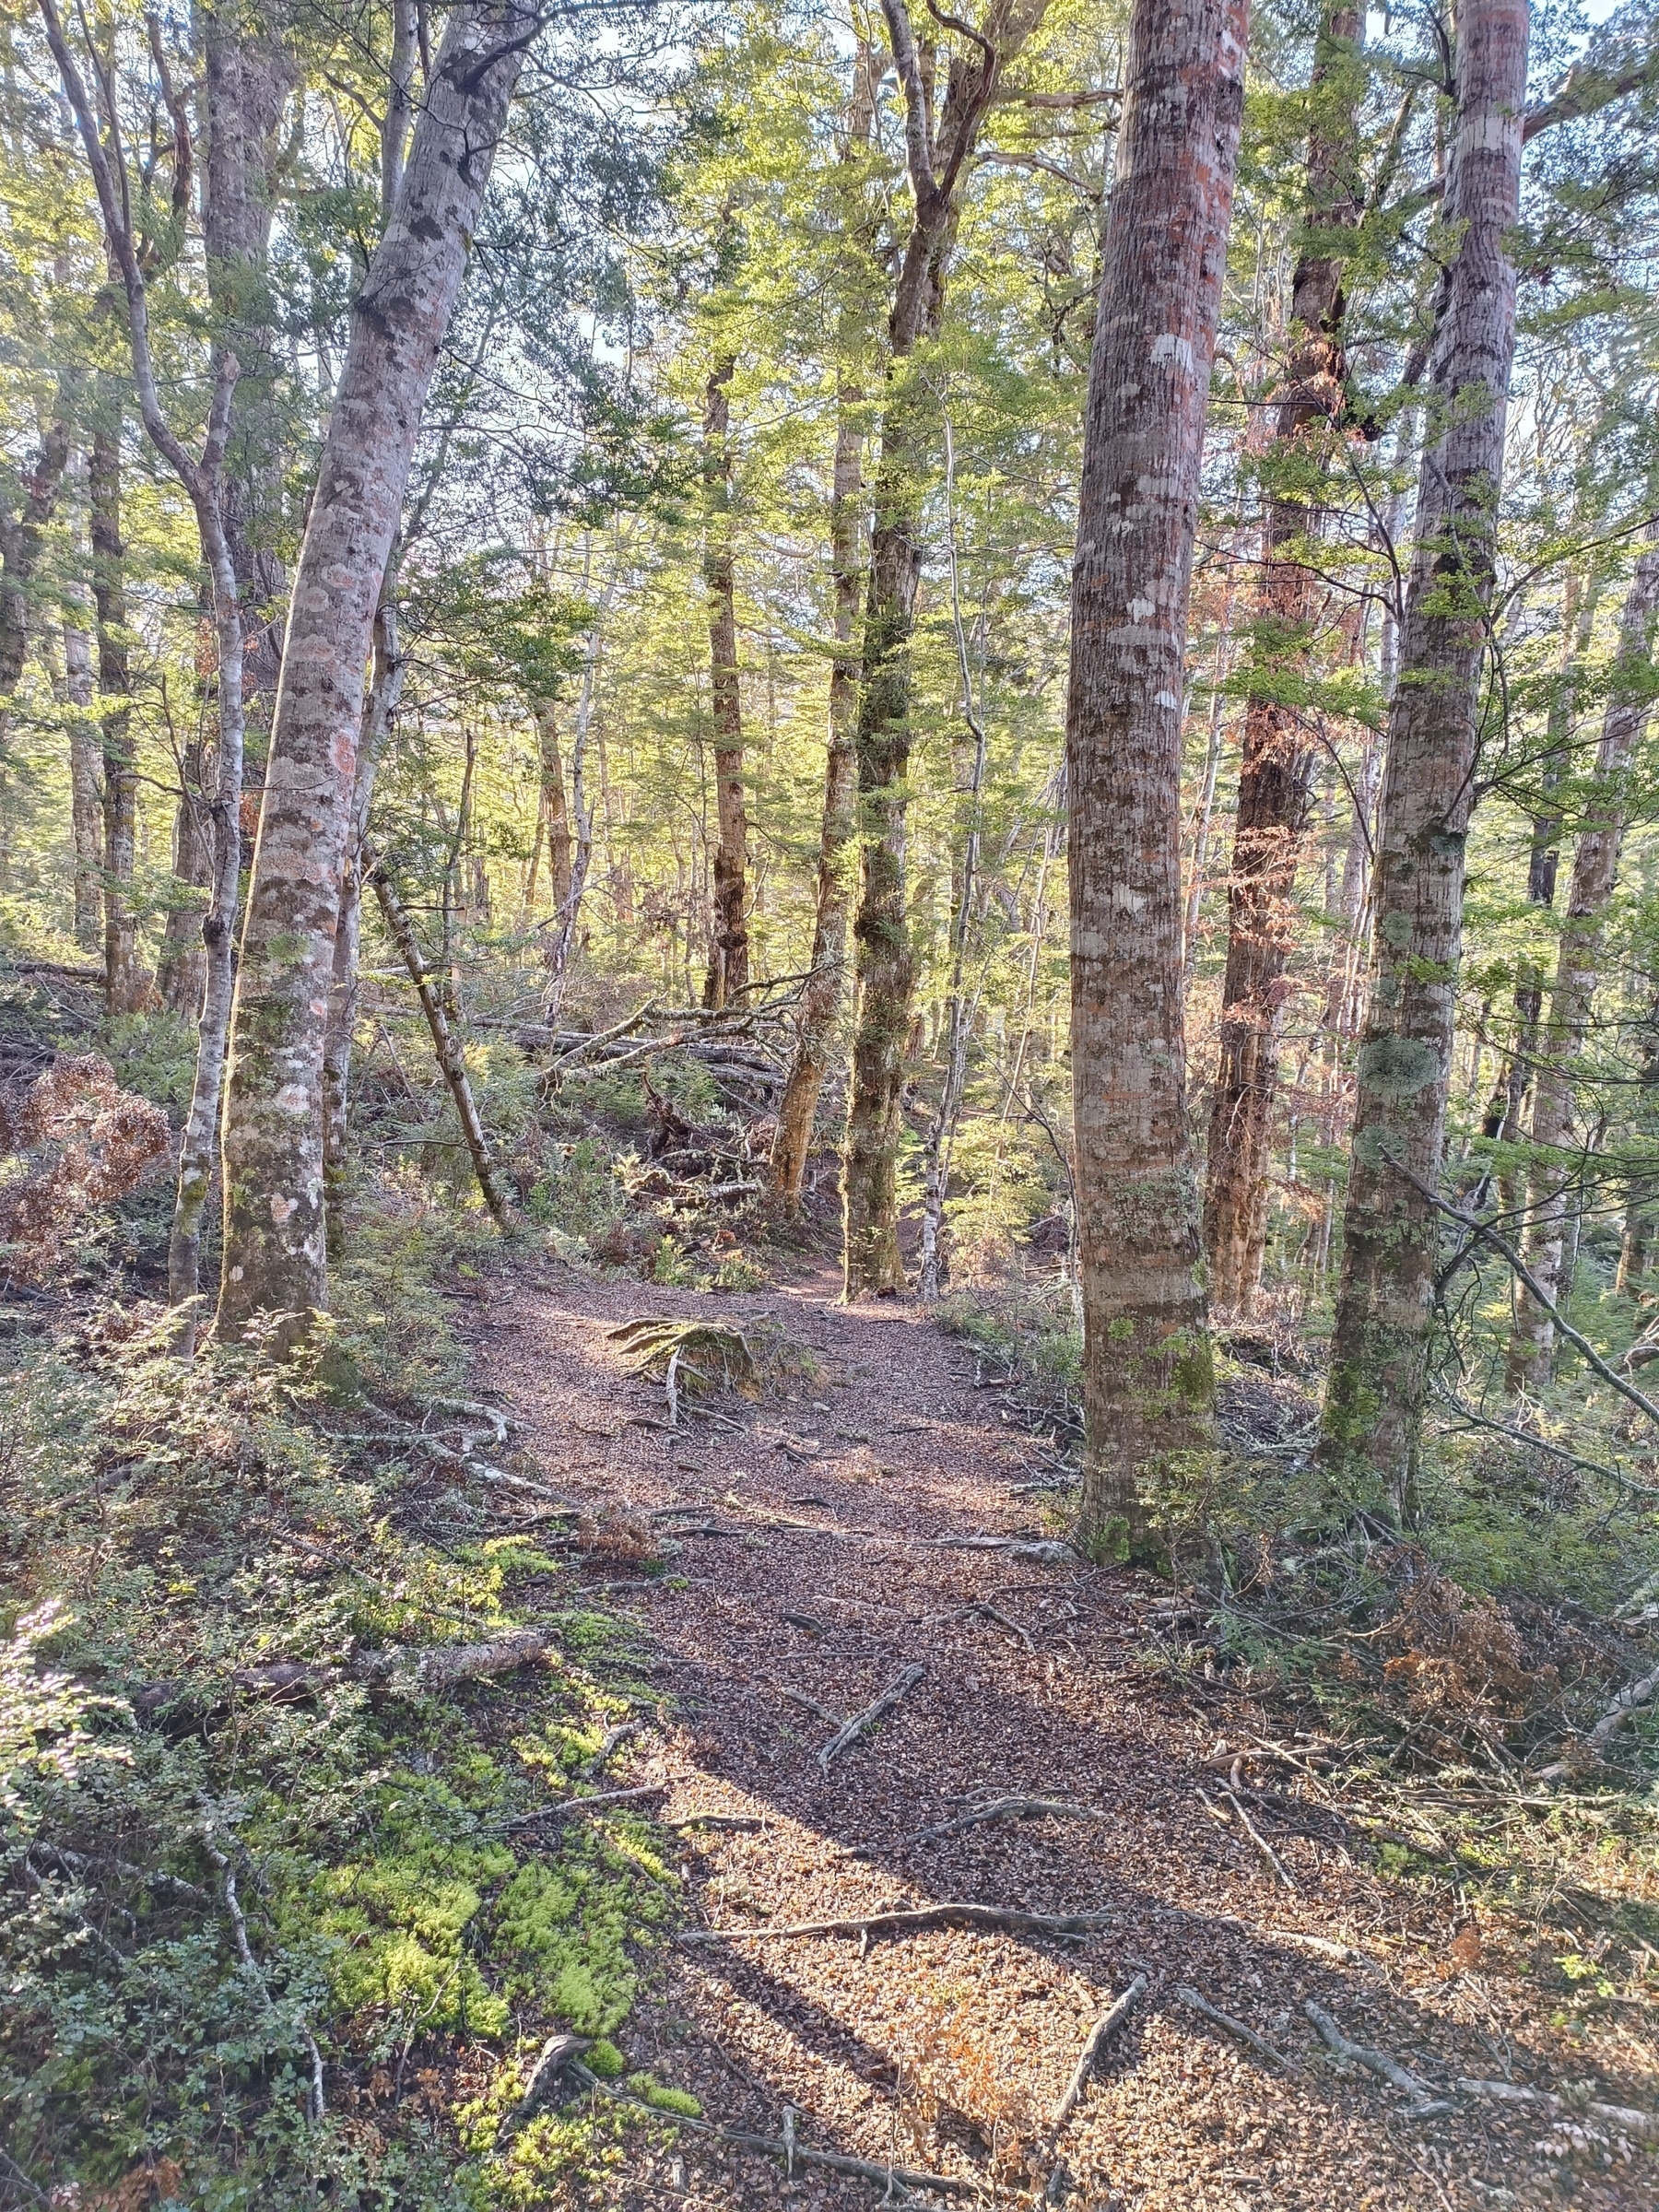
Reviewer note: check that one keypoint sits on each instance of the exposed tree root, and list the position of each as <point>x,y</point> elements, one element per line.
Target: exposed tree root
<point>911,1921</point>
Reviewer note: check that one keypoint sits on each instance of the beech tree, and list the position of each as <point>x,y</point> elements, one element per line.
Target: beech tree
<point>1147,1372</point>
<point>1379,1357</point>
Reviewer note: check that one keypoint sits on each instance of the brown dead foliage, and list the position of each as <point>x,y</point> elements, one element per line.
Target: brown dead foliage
<point>617,1535</point>
<point>1454,1661</point>
<point>73,1140</point>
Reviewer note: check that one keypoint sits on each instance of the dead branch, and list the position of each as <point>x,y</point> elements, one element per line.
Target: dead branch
<point>851,1730</point>
<point>574,1807</point>
<point>781,2146</point>
<point>1360,2055</point>
<point>556,2057</point>
<point>811,1705</point>
<point>1629,1699</point>
<point>913,1921</point>
<point>1206,2011</point>
<point>1005,1808</point>
<point>1644,2126</point>
<point>1269,1855</point>
<point>1105,2028</point>
<point>1049,1551</point>
<point>315,2108</point>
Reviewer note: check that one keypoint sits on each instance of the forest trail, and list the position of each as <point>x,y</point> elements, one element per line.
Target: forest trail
<point>815,1566</point>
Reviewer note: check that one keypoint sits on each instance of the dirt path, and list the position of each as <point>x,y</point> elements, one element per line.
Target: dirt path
<point>949,2050</point>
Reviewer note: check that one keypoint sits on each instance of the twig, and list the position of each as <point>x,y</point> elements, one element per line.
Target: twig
<point>948,1916</point>
<point>1206,2011</point>
<point>1105,2028</point>
<point>1360,2055</point>
<point>836,2161</point>
<point>1629,1700</point>
<point>1005,1808</point>
<point>991,1612</point>
<point>315,2108</point>
<point>851,1730</point>
<point>596,1803</point>
<point>1260,1841</point>
<point>822,1712</point>
<point>615,1738</point>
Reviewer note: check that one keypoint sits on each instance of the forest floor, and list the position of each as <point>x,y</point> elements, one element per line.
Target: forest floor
<point>819,1558</point>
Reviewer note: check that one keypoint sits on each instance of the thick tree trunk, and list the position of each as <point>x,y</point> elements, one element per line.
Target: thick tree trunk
<point>86,784</point>
<point>821,998</point>
<point>728,953</point>
<point>1147,1384</point>
<point>885,964</point>
<point>1571,999</point>
<point>1379,1367</point>
<point>275,1232</point>
<point>125,985</point>
<point>1276,779</point>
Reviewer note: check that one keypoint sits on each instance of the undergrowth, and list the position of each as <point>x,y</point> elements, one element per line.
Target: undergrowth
<point>218,1899</point>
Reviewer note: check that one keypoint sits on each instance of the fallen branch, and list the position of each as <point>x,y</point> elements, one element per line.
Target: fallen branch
<point>1269,1855</point>
<point>1105,2028</point>
<point>851,1730</point>
<point>556,2057</point>
<point>1644,2126</point>
<point>1360,2055</point>
<point>990,1612</point>
<point>781,2146</point>
<point>1206,2011</point>
<point>1629,1699</point>
<point>1008,1918</point>
<point>439,1666</point>
<point>314,2106</point>
<point>1005,1808</point>
<point>1049,1550</point>
<point>596,1803</point>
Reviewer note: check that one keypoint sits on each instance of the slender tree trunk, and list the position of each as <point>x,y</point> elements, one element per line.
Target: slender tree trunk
<point>885,963</point>
<point>181,971</point>
<point>554,817</point>
<point>821,998</point>
<point>22,539</point>
<point>728,954</point>
<point>1148,1382</point>
<point>379,709</point>
<point>1276,779</point>
<point>1571,999</point>
<point>125,985</point>
<point>86,782</point>
<point>1379,1367</point>
<point>275,1233</point>
<point>445,1044</point>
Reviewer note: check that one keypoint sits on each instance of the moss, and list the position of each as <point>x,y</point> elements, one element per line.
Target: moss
<point>603,2059</point>
<point>652,2091</point>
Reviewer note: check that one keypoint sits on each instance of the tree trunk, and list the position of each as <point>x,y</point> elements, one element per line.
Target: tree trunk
<point>821,995</point>
<point>555,819</point>
<point>1571,999</point>
<point>86,784</point>
<point>1147,1384</point>
<point>180,973</point>
<point>885,965</point>
<point>1276,779</point>
<point>821,998</point>
<point>446,1046</point>
<point>728,954</point>
<point>385,689</point>
<point>1379,1370</point>
<point>275,1234</point>
<point>125,985</point>
<point>22,538</point>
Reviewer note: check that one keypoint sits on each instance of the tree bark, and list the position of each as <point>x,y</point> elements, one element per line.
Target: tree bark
<point>885,966</point>
<point>821,996</point>
<point>275,1231</point>
<point>86,778</point>
<point>1571,999</point>
<point>22,538</point>
<point>1374,1397</point>
<point>728,954</point>
<point>1148,1383</point>
<point>555,818</point>
<point>1276,779</point>
<point>182,970</point>
<point>125,985</point>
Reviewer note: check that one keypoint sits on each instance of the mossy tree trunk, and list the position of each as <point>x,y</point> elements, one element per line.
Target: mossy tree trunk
<point>728,980</point>
<point>1372,1418</point>
<point>1147,1386</point>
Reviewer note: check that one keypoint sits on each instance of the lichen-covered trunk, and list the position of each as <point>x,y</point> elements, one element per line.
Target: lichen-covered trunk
<point>1275,777</point>
<point>125,985</point>
<point>86,787</point>
<point>1372,1418</point>
<point>729,950</point>
<point>884,960</point>
<point>181,971</point>
<point>821,998</point>
<point>1147,1385</point>
<point>275,1259</point>
<point>555,815</point>
<point>1550,1212</point>
<point>22,539</point>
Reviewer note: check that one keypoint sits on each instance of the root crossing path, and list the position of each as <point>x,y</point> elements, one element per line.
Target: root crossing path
<point>1025,1753</point>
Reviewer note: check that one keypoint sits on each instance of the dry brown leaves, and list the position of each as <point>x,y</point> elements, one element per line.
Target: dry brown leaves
<point>73,1140</point>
